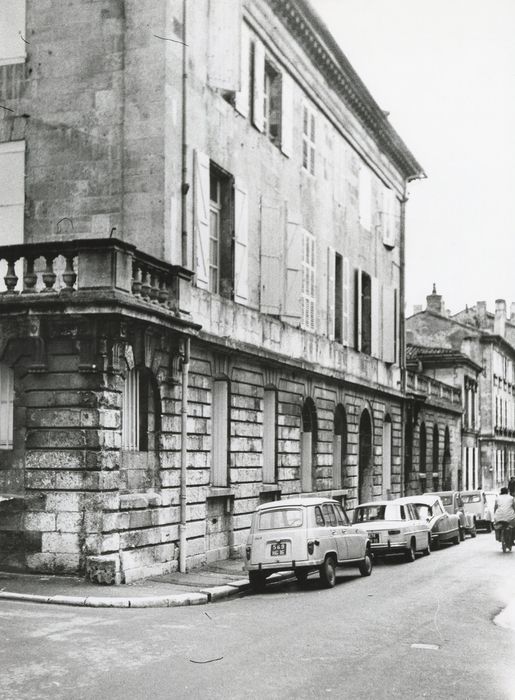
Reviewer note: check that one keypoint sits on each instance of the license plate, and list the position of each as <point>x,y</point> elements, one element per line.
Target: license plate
<point>374,537</point>
<point>278,549</point>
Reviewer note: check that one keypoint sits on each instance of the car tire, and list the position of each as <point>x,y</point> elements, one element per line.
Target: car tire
<point>427,550</point>
<point>457,538</point>
<point>257,581</point>
<point>436,544</point>
<point>365,566</point>
<point>473,532</point>
<point>301,575</point>
<point>411,553</point>
<point>489,526</point>
<point>462,534</point>
<point>328,572</point>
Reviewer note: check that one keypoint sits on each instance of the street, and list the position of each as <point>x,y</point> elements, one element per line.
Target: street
<point>420,630</point>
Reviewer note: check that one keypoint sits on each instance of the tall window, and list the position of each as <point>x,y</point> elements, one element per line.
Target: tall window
<point>339,447</point>
<point>12,191</point>
<point>308,139</point>
<point>436,448</point>
<point>12,31</point>
<point>272,103</point>
<point>6,407</point>
<point>338,298</point>
<point>308,282</point>
<point>423,449</point>
<point>140,413</point>
<point>308,446</point>
<point>387,455</point>
<point>363,311</point>
<point>220,433</point>
<point>270,436</point>
<point>220,233</point>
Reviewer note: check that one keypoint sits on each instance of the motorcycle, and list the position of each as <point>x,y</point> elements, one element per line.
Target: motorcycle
<point>504,534</point>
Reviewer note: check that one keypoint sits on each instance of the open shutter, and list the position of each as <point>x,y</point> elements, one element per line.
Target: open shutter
<point>389,324</point>
<point>258,116</point>
<point>357,309</point>
<point>224,50</point>
<point>242,100</point>
<point>331,264</point>
<point>6,406</point>
<point>375,349</point>
<point>272,257</point>
<point>287,115</point>
<point>292,306</point>
<point>201,217</point>
<point>241,226</point>
<point>346,303</point>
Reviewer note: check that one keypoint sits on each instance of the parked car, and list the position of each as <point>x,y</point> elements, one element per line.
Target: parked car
<point>304,534</point>
<point>444,527</point>
<point>393,528</point>
<point>475,502</point>
<point>453,504</point>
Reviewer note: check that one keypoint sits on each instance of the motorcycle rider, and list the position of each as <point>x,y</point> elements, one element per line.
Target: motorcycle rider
<point>504,509</point>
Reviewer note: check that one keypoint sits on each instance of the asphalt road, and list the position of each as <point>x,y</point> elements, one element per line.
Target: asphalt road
<point>354,641</point>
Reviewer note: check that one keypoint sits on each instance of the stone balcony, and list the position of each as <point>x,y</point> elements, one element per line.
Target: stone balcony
<point>93,275</point>
<point>435,391</point>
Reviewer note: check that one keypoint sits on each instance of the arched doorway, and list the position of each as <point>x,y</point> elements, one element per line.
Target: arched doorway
<point>366,468</point>
<point>422,461</point>
<point>436,451</point>
<point>308,445</point>
<point>339,447</point>
<point>446,463</point>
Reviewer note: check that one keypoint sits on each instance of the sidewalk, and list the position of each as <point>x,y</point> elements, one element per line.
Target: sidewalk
<point>219,580</point>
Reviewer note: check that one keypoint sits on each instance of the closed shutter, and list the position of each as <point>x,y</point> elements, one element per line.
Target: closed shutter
<point>224,50</point>
<point>201,218</point>
<point>357,309</point>
<point>6,407</point>
<point>292,306</point>
<point>287,115</point>
<point>12,193</point>
<point>376,349</point>
<point>241,226</point>
<point>346,303</point>
<point>272,257</point>
<point>220,432</point>
<point>331,261</point>
<point>242,100</point>
<point>258,116</point>
<point>389,324</point>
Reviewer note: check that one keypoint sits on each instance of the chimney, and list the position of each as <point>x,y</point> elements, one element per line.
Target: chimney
<point>500,317</point>
<point>434,302</point>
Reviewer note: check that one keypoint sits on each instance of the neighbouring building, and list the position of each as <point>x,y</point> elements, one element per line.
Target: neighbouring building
<point>202,244</point>
<point>474,350</point>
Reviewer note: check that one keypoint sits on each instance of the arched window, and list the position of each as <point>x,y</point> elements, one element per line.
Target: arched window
<point>308,445</point>
<point>6,407</point>
<point>365,467</point>
<point>339,447</point>
<point>387,455</point>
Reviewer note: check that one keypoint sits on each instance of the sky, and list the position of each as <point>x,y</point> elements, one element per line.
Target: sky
<point>445,70</point>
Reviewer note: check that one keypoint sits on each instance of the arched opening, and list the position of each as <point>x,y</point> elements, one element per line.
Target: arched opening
<point>446,463</point>
<point>339,447</point>
<point>387,455</point>
<point>436,451</point>
<point>365,469</point>
<point>308,443</point>
<point>422,467</point>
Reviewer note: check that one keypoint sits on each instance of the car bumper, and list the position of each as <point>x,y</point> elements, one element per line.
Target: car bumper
<point>284,566</point>
<point>388,547</point>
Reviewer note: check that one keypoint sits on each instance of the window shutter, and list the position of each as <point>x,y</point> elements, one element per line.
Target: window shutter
<point>6,407</point>
<point>201,218</point>
<point>259,86</point>
<point>389,324</point>
<point>220,432</point>
<point>241,226</point>
<point>330,292</point>
<point>292,306</point>
<point>346,303</point>
<point>272,257</point>
<point>224,44</point>
<point>12,192</point>
<point>242,99</point>
<point>388,218</point>
<point>357,309</point>
<point>130,411</point>
<point>287,115</point>
<point>376,349</point>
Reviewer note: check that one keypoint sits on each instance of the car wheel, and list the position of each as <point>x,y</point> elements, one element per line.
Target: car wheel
<point>410,554</point>
<point>365,566</point>
<point>473,532</point>
<point>462,534</point>
<point>457,538</point>
<point>328,572</point>
<point>257,581</point>
<point>301,575</point>
<point>489,526</point>
<point>427,550</point>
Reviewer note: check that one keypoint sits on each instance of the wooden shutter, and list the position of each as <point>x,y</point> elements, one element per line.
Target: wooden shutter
<point>337,461</point>
<point>12,193</point>
<point>287,115</point>
<point>346,303</point>
<point>269,436</point>
<point>241,226</point>
<point>242,100</point>
<point>389,324</point>
<point>375,346</point>
<point>292,305</point>
<point>331,264</point>
<point>388,217</point>
<point>201,218</point>
<point>6,407</point>
<point>130,411</point>
<point>220,432</point>
<point>259,86</point>
<point>224,44</point>
<point>357,309</point>
<point>272,257</point>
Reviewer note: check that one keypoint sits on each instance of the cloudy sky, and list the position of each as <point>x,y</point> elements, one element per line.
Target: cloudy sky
<point>445,70</point>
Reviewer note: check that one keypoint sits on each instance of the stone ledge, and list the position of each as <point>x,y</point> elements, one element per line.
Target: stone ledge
<point>136,501</point>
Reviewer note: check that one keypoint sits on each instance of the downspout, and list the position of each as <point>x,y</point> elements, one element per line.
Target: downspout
<point>184,149</point>
<point>185,366</point>
<point>402,338</point>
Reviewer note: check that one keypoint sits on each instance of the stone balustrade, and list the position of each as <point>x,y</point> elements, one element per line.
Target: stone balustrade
<point>67,268</point>
<point>433,388</point>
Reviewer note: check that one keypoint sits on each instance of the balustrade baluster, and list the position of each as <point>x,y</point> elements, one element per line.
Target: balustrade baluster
<point>30,277</point>
<point>10,279</point>
<point>69,275</point>
<point>154,287</point>
<point>145,286</point>
<point>163,289</point>
<point>49,276</point>
<point>136,279</point>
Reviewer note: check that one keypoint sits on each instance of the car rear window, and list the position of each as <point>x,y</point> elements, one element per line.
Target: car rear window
<point>447,500</point>
<point>280,518</point>
<point>368,513</point>
<point>471,497</point>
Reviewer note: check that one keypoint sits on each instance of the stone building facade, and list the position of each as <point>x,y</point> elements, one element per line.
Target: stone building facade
<point>203,254</point>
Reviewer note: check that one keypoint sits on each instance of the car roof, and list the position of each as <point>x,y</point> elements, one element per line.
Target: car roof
<point>374,503</point>
<point>441,493</point>
<point>425,498</point>
<point>473,491</point>
<point>302,501</point>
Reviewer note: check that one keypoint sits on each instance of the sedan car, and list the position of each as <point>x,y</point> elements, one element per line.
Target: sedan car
<point>304,534</point>
<point>444,527</point>
<point>453,504</point>
<point>393,528</point>
<point>475,502</point>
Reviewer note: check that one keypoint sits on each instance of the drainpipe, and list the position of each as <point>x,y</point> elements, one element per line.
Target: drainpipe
<point>402,338</point>
<point>185,366</point>
<point>184,149</point>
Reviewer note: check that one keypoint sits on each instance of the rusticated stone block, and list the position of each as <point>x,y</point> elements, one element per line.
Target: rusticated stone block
<point>104,569</point>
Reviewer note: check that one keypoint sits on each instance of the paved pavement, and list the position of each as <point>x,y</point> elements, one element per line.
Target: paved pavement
<point>221,580</point>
